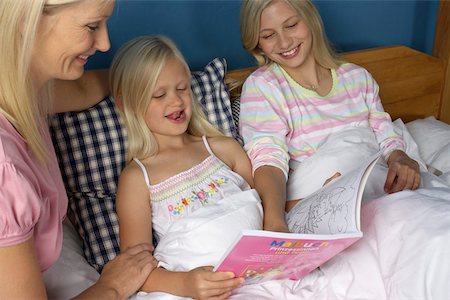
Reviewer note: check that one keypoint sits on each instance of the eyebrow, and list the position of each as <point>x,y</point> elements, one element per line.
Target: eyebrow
<point>285,21</point>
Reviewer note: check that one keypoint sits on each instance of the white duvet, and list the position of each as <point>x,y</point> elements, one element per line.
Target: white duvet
<point>404,253</point>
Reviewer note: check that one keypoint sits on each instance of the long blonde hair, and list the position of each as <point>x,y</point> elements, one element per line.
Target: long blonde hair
<point>133,75</point>
<point>19,102</point>
<point>251,11</point>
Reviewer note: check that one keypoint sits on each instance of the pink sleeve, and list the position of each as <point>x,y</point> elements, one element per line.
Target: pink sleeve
<point>263,125</point>
<point>20,206</point>
<point>381,122</point>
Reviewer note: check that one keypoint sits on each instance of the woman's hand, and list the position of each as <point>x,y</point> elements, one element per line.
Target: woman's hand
<point>403,173</point>
<point>203,283</point>
<point>125,274</point>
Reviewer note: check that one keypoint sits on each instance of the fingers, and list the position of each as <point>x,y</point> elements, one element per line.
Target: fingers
<point>402,176</point>
<point>336,175</point>
<point>206,284</point>
<point>127,272</point>
<point>390,180</point>
<point>221,289</point>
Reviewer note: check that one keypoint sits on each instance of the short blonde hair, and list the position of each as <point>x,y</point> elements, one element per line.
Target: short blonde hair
<point>251,11</point>
<point>19,103</point>
<point>133,75</point>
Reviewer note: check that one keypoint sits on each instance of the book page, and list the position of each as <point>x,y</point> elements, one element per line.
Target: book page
<point>333,209</point>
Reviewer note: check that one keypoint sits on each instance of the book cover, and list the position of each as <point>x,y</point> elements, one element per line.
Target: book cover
<point>322,225</point>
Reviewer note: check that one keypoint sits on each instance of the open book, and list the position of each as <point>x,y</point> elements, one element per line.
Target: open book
<point>322,225</point>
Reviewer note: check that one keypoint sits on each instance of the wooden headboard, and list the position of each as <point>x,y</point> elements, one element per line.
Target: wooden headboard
<point>413,84</point>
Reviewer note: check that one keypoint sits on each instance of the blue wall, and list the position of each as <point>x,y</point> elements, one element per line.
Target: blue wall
<point>204,29</point>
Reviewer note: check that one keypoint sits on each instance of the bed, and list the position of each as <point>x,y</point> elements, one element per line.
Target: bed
<point>405,252</point>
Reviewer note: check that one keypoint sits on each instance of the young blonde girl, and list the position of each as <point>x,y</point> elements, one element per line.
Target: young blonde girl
<point>301,97</point>
<point>179,167</point>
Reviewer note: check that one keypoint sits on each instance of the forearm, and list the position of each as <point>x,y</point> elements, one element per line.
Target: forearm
<point>162,280</point>
<point>100,291</point>
<point>270,182</point>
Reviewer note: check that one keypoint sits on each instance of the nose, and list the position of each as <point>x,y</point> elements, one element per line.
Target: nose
<point>102,42</point>
<point>176,100</point>
<point>284,40</point>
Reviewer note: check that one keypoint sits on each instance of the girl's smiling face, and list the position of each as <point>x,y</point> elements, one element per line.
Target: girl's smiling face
<point>170,109</point>
<point>284,37</point>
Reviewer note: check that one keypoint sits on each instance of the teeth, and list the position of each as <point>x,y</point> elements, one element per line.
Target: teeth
<point>289,52</point>
<point>175,115</point>
<point>84,57</point>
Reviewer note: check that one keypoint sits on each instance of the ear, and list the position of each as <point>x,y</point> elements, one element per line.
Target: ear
<point>119,102</point>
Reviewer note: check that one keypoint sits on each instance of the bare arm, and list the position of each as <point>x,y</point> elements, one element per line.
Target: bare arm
<point>231,152</point>
<point>20,276</point>
<point>270,183</point>
<point>76,95</point>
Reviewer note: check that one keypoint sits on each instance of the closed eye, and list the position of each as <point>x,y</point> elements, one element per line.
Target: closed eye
<point>292,26</point>
<point>92,27</point>
<point>268,36</point>
<point>158,96</point>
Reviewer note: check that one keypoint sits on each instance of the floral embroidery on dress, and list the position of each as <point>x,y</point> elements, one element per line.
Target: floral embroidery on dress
<point>202,196</point>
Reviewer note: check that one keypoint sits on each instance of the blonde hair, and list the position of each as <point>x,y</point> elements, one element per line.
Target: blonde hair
<point>251,11</point>
<point>133,75</point>
<point>19,102</point>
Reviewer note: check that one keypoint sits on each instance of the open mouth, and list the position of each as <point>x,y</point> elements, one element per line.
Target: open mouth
<point>176,116</point>
<point>290,53</point>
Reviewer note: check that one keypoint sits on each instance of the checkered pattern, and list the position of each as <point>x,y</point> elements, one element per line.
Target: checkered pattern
<point>210,88</point>
<point>235,110</point>
<point>90,146</point>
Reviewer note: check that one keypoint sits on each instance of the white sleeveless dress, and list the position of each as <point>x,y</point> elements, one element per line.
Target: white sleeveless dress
<point>198,213</point>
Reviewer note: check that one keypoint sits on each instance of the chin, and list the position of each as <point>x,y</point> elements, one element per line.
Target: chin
<point>72,75</point>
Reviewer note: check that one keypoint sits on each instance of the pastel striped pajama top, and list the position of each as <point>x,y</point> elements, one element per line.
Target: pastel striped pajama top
<point>283,123</point>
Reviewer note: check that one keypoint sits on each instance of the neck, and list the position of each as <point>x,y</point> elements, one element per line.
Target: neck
<point>310,75</point>
<point>172,142</point>
<point>39,83</point>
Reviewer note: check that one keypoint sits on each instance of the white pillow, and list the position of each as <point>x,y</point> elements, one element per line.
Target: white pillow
<point>441,160</point>
<point>431,136</point>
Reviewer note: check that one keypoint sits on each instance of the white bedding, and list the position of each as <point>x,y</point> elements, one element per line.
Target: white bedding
<point>404,254</point>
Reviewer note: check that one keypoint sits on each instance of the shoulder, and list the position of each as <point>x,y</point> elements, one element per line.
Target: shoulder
<point>225,148</point>
<point>351,70</point>
<point>12,144</point>
<point>268,73</point>
<point>220,143</point>
<point>132,175</point>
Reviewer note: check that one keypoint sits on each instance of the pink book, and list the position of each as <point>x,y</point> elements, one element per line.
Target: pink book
<point>322,225</point>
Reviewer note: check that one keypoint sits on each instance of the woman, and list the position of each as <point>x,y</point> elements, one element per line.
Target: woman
<point>43,40</point>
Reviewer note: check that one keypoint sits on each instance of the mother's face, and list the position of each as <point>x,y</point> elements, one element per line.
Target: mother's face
<point>68,36</point>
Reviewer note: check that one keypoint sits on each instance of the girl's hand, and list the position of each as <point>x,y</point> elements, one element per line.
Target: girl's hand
<point>203,283</point>
<point>403,173</point>
<point>336,175</point>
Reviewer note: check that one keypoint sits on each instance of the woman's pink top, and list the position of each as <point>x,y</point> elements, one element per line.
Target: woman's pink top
<point>33,201</point>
